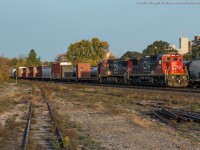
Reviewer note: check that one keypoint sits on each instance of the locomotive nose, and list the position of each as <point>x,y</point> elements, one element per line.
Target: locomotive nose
<point>179,81</point>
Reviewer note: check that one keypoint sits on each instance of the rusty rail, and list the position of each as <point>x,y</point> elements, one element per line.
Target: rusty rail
<point>179,116</point>
<point>27,129</point>
<point>53,118</point>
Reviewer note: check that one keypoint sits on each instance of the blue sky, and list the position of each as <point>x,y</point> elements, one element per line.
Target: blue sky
<point>50,26</point>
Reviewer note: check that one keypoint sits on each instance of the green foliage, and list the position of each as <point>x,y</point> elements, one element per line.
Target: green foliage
<point>193,54</point>
<point>196,52</point>
<point>87,51</point>
<point>32,59</point>
<point>47,63</point>
<point>16,62</point>
<point>61,58</point>
<point>187,56</point>
<point>158,47</point>
<point>130,54</point>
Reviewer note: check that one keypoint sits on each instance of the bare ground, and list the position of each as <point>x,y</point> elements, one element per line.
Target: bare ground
<point>108,115</point>
<point>127,129</point>
<point>13,111</point>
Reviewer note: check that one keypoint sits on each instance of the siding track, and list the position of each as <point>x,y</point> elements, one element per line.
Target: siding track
<point>41,131</point>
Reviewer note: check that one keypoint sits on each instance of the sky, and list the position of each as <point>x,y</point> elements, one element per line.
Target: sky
<point>50,26</point>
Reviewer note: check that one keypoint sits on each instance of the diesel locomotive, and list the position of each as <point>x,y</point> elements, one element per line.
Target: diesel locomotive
<point>161,70</point>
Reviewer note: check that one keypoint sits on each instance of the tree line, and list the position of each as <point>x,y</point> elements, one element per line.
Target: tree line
<point>91,51</point>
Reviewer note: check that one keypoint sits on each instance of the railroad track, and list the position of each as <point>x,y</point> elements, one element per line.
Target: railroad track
<point>41,131</point>
<point>153,88</point>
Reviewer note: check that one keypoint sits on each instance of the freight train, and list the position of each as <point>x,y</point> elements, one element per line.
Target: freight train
<point>161,70</point>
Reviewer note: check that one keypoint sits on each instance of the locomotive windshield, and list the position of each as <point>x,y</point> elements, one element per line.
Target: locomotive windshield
<point>175,59</point>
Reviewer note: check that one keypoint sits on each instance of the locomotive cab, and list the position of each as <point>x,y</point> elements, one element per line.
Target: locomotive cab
<point>174,70</point>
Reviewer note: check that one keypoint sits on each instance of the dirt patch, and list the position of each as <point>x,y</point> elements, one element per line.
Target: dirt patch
<point>14,101</point>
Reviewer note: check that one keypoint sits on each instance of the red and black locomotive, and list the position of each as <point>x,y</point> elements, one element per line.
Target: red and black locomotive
<point>162,70</point>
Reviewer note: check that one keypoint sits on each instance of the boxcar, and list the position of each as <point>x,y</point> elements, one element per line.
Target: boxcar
<point>58,70</point>
<point>38,72</point>
<point>21,72</point>
<point>84,72</point>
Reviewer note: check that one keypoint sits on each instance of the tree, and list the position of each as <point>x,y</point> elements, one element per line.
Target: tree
<point>18,62</point>
<point>130,54</point>
<point>61,58</point>
<point>193,54</point>
<point>196,52</point>
<point>158,47</point>
<point>32,59</point>
<point>87,51</point>
<point>187,56</point>
<point>47,63</point>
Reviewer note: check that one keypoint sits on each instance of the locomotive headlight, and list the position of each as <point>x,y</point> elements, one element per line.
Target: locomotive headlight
<point>172,77</point>
<point>183,77</point>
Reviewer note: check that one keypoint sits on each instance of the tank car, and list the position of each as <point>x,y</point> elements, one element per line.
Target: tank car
<point>194,72</point>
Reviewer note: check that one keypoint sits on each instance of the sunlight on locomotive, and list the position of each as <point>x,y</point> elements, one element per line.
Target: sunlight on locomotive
<point>108,54</point>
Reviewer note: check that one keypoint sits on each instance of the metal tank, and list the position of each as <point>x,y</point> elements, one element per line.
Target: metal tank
<point>194,70</point>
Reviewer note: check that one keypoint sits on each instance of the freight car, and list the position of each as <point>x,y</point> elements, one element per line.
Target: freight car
<point>82,72</point>
<point>193,68</point>
<point>58,70</point>
<point>113,70</point>
<point>162,70</point>
<point>21,72</point>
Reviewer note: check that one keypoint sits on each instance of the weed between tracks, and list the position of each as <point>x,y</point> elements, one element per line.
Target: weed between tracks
<point>71,130</point>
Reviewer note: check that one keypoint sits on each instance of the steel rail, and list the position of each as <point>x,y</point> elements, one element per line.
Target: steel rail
<point>27,129</point>
<point>53,118</point>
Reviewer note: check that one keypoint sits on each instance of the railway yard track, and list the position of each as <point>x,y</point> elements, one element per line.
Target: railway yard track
<point>137,87</point>
<point>41,130</point>
<point>187,122</point>
<point>151,112</point>
<point>154,88</point>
